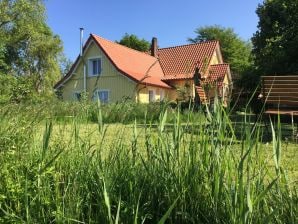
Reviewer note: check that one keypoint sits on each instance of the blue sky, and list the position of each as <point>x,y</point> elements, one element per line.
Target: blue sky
<point>171,21</point>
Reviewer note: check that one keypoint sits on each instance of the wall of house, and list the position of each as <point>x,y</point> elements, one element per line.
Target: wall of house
<point>226,91</point>
<point>215,59</point>
<point>175,94</point>
<point>159,93</point>
<point>226,80</point>
<point>118,85</point>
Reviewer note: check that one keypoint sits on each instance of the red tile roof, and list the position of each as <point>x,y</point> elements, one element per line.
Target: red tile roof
<point>182,60</point>
<point>217,74</point>
<point>173,63</point>
<point>136,65</point>
<point>177,76</point>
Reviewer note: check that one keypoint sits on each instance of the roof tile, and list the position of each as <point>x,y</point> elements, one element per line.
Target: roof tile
<point>216,77</point>
<point>217,74</point>
<point>179,60</point>
<point>173,63</point>
<point>135,64</point>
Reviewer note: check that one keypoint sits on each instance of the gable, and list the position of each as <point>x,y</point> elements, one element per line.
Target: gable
<point>76,73</point>
<point>173,63</point>
<point>218,73</point>
<point>138,66</point>
<point>134,65</point>
<point>110,79</point>
<point>92,51</point>
<point>216,57</point>
<point>182,60</point>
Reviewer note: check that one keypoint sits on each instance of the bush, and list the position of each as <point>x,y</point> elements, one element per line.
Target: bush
<point>126,112</point>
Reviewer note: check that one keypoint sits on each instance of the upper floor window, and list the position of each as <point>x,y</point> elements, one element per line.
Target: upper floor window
<point>94,67</point>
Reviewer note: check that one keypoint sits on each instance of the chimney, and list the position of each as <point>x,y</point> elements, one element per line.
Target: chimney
<point>81,41</point>
<point>154,47</point>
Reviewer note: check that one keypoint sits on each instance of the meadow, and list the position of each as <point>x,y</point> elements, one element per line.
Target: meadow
<point>80,163</point>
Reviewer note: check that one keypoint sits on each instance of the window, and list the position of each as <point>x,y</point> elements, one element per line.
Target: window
<point>94,67</point>
<point>151,96</point>
<point>102,95</point>
<point>162,94</point>
<point>77,96</point>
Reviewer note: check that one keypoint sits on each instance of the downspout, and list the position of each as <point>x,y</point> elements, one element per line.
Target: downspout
<point>85,79</point>
<point>81,55</point>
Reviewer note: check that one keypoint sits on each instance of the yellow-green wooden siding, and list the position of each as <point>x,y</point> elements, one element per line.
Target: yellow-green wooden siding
<point>111,79</point>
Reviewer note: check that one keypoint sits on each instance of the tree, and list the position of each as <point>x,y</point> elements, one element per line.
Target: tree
<point>28,48</point>
<point>132,41</point>
<point>235,51</point>
<point>275,44</point>
<point>64,64</point>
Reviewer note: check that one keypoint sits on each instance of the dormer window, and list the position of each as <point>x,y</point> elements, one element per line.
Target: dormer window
<point>94,66</point>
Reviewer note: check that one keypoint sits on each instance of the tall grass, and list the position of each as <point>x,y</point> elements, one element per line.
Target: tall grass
<point>180,171</point>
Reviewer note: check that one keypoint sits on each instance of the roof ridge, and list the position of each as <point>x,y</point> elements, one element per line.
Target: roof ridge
<point>220,64</point>
<point>113,42</point>
<point>190,44</point>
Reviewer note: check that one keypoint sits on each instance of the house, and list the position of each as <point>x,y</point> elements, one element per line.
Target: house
<point>111,72</point>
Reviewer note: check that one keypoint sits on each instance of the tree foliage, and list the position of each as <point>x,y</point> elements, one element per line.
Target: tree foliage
<point>28,48</point>
<point>64,64</point>
<point>132,41</point>
<point>235,51</point>
<point>275,44</point>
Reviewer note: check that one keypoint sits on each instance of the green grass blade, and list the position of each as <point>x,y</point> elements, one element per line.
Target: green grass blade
<point>118,212</point>
<point>264,192</point>
<point>168,213</point>
<point>107,201</point>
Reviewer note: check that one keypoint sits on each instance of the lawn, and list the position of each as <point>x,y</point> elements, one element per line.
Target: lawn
<point>179,168</point>
<point>89,132</point>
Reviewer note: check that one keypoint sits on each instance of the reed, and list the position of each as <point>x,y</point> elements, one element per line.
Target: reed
<point>190,170</point>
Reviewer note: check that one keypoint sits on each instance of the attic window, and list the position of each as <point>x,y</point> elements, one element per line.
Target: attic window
<point>94,67</point>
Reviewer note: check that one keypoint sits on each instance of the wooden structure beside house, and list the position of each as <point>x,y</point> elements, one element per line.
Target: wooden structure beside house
<point>110,72</point>
<point>280,96</point>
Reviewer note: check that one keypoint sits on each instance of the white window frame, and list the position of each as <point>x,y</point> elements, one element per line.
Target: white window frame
<point>96,92</point>
<point>153,95</point>
<point>90,66</point>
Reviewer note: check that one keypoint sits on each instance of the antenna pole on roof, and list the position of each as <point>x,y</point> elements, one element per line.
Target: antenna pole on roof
<point>81,41</point>
<point>81,56</point>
